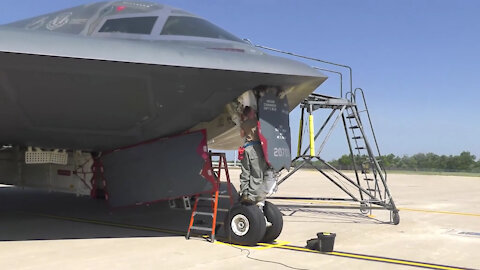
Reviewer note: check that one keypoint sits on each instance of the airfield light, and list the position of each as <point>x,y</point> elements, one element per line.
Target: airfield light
<point>121,8</point>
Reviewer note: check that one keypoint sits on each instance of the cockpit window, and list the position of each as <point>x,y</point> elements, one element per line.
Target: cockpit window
<point>195,27</point>
<point>137,25</point>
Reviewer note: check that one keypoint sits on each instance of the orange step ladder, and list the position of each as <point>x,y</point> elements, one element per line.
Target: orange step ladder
<point>213,198</point>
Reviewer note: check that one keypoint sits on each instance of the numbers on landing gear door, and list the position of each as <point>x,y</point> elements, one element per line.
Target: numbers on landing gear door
<point>281,152</point>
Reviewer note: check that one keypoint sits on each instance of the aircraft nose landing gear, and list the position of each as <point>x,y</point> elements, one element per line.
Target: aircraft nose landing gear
<point>246,224</point>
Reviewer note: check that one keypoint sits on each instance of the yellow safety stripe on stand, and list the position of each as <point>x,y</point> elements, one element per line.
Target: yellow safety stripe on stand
<point>312,137</point>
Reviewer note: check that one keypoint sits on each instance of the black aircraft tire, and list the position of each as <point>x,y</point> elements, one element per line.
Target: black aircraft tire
<point>275,217</point>
<point>245,225</point>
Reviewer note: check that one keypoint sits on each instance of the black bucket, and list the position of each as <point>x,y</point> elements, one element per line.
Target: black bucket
<point>326,241</point>
<point>313,244</point>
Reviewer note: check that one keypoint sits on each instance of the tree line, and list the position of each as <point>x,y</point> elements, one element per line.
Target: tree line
<point>465,162</point>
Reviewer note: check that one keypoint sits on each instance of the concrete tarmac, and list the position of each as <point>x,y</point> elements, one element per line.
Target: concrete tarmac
<point>439,229</point>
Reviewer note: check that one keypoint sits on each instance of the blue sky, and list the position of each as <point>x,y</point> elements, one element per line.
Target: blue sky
<point>418,60</point>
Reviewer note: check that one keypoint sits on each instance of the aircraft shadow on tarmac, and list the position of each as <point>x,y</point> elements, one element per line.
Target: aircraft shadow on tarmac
<point>31,214</point>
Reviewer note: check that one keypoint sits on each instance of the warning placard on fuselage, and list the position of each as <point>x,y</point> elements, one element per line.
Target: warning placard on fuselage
<point>273,114</point>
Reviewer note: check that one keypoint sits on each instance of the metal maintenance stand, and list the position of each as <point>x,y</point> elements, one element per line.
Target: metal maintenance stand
<point>370,179</point>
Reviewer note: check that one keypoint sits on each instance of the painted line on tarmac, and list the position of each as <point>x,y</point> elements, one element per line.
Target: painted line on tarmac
<point>400,208</point>
<point>261,246</point>
<point>440,212</point>
<point>376,258</point>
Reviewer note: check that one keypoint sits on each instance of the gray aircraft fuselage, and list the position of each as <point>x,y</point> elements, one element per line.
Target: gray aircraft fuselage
<point>111,74</point>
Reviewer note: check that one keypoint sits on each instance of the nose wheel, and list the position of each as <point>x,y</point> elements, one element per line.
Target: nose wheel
<point>275,217</point>
<point>247,224</point>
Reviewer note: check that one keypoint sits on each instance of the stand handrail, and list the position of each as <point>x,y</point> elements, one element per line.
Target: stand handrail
<point>313,59</point>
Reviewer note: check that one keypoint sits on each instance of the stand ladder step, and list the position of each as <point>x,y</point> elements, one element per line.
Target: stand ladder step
<point>198,228</point>
<point>206,199</point>
<point>222,165</point>
<point>203,213</point>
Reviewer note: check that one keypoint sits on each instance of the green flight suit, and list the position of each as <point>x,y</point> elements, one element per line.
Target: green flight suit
<point>253,170</point>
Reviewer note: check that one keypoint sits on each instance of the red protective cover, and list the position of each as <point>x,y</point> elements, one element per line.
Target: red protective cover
<point>264,142</point>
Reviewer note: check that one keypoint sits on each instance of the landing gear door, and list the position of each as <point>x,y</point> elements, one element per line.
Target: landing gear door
<point>274,129</point>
